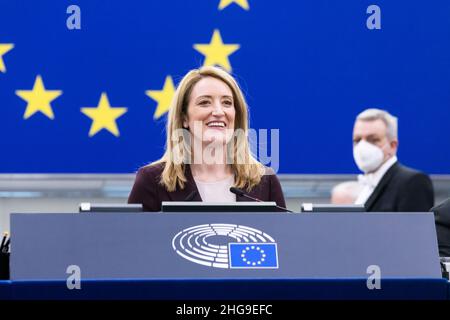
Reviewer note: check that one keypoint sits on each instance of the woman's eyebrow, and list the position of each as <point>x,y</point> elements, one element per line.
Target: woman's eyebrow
<point>203,96</point>
<point>210,97</point>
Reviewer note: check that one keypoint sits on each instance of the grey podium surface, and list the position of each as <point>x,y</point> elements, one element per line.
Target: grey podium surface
<point>152,245</point>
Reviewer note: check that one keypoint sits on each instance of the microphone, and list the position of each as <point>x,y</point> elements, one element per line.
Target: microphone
<point>240,192</point>
<point>191,196</point>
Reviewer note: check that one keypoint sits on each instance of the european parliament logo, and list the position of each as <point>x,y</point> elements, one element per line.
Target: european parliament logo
<point>227,246</point>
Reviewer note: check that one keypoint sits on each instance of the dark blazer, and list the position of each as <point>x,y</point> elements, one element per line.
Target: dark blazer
<point>442,219</point>
<point>402,189</point>
<point>148,191</point>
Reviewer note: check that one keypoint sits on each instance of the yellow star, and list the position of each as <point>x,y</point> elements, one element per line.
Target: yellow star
<point>4,48</point>
<point>38,99</point>
<point>225,3</point>
<point>216,52</point>
<point>163,97</point>
<point>104,117</point>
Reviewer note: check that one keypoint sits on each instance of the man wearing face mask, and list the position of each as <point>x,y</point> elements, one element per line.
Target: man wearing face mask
<point>386,184</point>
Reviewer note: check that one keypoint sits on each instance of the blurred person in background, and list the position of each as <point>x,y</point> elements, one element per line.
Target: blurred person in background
<point>386,184</point>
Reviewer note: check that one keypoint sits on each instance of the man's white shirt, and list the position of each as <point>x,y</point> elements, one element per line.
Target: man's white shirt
<point>370,181</point>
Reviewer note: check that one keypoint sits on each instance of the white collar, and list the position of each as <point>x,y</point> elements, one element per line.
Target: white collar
<point>378,175</point>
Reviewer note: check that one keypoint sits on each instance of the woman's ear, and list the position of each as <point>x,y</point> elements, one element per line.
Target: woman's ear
<point>185,123</point>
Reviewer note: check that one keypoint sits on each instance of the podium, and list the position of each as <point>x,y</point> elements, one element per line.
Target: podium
<point>226,256</point>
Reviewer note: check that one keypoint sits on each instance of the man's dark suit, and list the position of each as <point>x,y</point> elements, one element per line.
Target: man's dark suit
<point>402,189</point>
<point>442,219</point>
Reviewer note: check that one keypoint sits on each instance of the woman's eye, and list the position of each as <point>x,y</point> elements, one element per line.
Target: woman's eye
<point>228,103</point>
<point>203,102</point>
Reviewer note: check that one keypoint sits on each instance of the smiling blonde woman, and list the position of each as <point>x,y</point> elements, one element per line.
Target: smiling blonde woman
<point>207,149</point>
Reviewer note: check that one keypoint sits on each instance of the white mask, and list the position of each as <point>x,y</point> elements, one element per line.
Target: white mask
<point>368,157</point>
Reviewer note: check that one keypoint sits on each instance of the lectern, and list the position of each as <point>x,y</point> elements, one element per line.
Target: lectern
<point>231,256</point>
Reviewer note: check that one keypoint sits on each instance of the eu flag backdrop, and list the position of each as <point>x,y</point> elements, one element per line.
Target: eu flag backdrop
<point>93,100</point>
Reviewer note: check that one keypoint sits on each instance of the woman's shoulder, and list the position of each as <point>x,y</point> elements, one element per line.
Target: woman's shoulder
<point>268,178</point>
<point>268,174</point>
<point>152,170</point>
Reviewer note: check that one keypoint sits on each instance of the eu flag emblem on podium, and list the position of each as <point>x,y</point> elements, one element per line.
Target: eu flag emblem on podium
<point>253,255</point>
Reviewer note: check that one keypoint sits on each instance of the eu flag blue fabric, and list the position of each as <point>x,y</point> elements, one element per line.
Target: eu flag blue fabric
<point>253,255</point>
<point>86,85</point>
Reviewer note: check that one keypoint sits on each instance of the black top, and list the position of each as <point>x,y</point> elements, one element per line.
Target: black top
<point>148,191</point>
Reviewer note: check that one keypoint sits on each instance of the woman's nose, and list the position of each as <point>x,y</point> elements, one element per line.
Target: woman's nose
<point>218,109</point>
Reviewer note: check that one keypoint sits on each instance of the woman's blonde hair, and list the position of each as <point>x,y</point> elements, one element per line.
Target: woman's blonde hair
<point>247,170</point>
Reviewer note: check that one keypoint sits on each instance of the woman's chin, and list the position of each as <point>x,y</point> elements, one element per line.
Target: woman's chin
<point>215,140</point>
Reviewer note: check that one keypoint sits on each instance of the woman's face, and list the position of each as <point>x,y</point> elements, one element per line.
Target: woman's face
<point>211,111</point>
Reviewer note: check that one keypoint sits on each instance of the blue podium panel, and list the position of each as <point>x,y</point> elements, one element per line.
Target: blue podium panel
<point>228,289</point>
<point>197,246</point>
<point>5,290</point>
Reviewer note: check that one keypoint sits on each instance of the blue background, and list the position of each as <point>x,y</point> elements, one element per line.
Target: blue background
<point>307,67</point>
